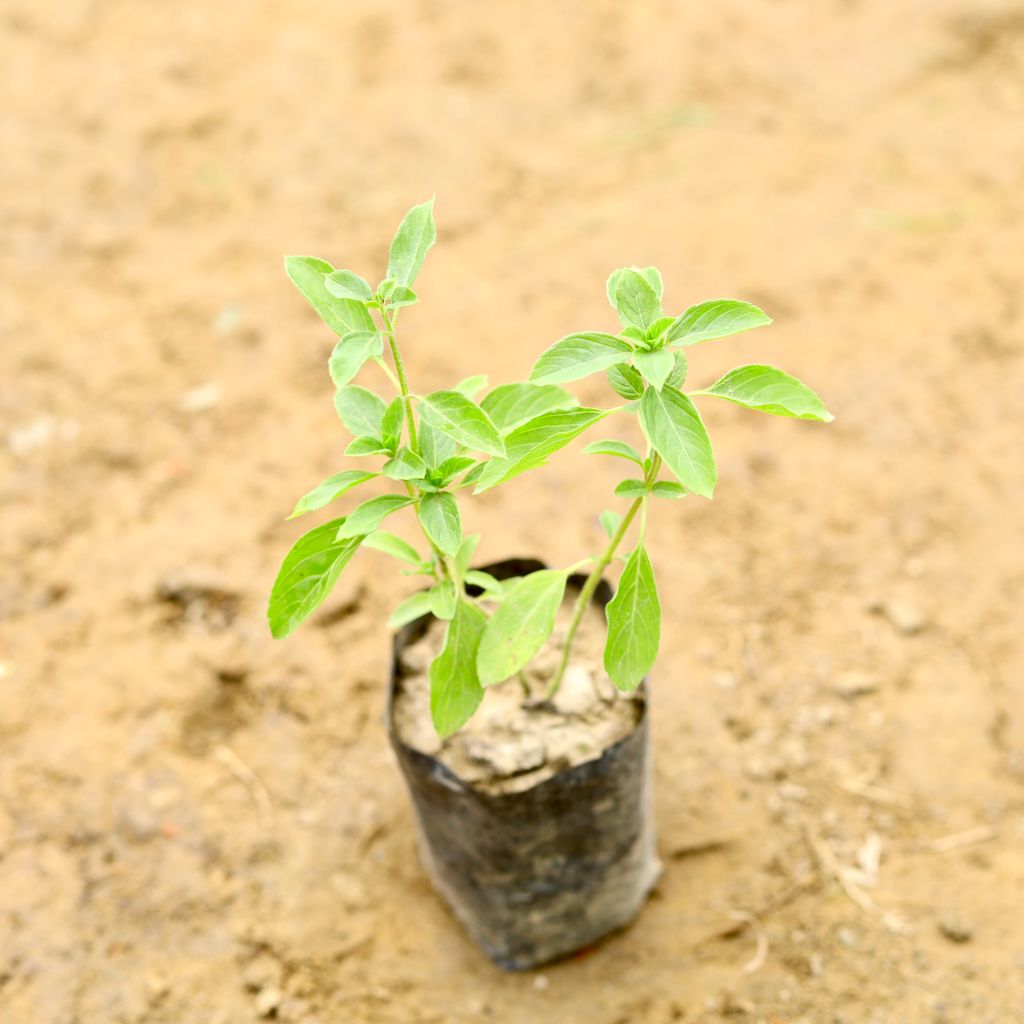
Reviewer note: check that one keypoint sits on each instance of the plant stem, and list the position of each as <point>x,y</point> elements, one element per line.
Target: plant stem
<point>447,564</point>
<point>403,384</point>
<point>583,600</point>
<point>587,592</point>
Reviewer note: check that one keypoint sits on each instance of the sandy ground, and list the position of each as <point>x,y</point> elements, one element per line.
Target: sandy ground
<point>199,825</point>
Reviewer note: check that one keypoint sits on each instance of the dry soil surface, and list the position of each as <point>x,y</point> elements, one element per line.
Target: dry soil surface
<point>199,825</point>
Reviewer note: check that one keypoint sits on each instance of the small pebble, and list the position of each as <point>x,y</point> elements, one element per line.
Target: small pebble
<point>955,928</point>
<point>905,615</point>
<point>541,983</point>
<point>509,757</point>
<point>202,398</point>
<point>576,695</point>
<point>263,973</point>
<point>268,1000</point>
<point>853,684</point>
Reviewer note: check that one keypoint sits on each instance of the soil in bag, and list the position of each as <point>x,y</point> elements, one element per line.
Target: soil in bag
<point>535,817</point>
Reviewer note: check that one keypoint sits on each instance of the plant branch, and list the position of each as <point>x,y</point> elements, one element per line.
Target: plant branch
<point>403,384</point>
<point>587,592</point>
<point>448,567</point>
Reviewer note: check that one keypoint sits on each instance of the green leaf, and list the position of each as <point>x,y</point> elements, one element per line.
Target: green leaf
<point>391,423</point>
<point>465,553</point>
<point>658,328</point>
<point>635,299</point>
<point>327,490</point>
<point>439,516</point>
<point>717,318</point>
<point>442,600</point>
<point>351,353</point>
<point>518,629</point>
<point>455,690</point>
<point>630,489</point>
<point>381,540</point>
<point>655,366</point>
<point>634,624</point>
<point>610,521</point>
<point>769,390</point>
<point>613,447</point>
<point>451,468</point>
<point>400,296</point>
<point>366,446</point>
<point>436,447</point>
<point>485,581</point>
<point>579,355</point>
<point>626,382</point>
<point>411,608</point>
<point>406,465</point>
<point>530,444</point>
<point>675,430</point>
<point>677,378</point>
<point>306,576</point>
<point>652,275</point>
<point>509,405</point>
<point>343,316</point>
<point>668,489</point>
<point>360,410</point>
<point>464,420</point>
<point>415,235</point>
<point>471,385</point>
<point>343,284</point>
<point>368,516</point>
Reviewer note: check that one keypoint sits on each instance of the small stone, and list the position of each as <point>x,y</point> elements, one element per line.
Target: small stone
<point>264,972</point>
<point>507,757</point>
<point>847,936</point>
<point>905,615</point>
<point>956,928</point>
<point>202,398</point>
<point>853,684</point>
<point>39,433</point>
<point>541,983</point>
<point>576,694</point>
<point>268,1000</point>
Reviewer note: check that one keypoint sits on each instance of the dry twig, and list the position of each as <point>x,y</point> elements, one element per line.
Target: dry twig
<point>251,781</point>
<point>958,840</point>
<point>829,865</point>
<point>741,922</point>
<point>757,961</point>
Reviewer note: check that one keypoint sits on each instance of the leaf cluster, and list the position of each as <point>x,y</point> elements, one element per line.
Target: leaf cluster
<point>430,447</point>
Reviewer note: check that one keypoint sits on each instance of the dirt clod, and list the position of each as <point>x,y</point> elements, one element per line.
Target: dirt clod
<point>517,739</point>
<point>956,928</point>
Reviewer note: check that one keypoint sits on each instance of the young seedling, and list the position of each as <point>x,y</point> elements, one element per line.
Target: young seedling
<point>436,445</point>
